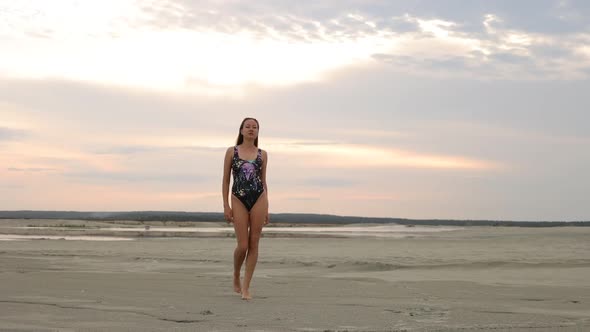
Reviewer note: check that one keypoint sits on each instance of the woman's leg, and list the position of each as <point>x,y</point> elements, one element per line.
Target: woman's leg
<point>240,214</point>
<point>257,218</point>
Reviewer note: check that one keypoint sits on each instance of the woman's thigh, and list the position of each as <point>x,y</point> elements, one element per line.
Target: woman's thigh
<point>241,220</point>
<point>258,216</point>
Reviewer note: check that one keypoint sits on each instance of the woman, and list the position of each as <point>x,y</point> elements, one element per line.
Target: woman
<point>249,200</point>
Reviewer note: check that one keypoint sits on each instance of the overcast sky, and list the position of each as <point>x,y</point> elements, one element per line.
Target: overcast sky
<point>415,109</point>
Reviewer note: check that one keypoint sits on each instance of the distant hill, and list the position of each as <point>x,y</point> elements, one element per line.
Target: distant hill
<point>275,218</point>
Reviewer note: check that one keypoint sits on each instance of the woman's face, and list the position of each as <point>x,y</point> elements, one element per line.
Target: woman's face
<point>250,129</point>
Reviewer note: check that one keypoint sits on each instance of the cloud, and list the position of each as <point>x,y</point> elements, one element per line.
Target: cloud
<point>510,58</point>
<point>57,102</point>
<point>328,182</point>
<point>11,186</point>
<point>544,16</point>
<point>442,49</point>
<point>31,169</point>
<point>9,134</point>
<point>138,177</point>
<point>139,149</point>
<point>127,149</point>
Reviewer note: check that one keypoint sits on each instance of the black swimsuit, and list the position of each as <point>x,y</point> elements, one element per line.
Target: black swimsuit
<point>247,185</point>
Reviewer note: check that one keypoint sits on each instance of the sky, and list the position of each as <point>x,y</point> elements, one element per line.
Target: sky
<point>423,109</point>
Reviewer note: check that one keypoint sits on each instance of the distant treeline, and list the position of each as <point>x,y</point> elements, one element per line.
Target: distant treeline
<point>275,218</point>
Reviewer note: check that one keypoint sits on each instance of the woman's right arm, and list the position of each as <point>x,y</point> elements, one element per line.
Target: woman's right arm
<point>227,212</point>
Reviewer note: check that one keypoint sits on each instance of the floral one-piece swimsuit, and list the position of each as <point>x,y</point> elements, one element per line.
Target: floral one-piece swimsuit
<point>247,185</point>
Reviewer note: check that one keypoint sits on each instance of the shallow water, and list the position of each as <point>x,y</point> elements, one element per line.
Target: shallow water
<point>380,231</point>
<point>13,237</point>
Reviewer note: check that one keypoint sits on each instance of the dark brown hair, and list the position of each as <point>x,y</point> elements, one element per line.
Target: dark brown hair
<point>241,137</point>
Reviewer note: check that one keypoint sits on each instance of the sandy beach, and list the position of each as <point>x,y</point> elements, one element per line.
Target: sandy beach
<point>466,279</point>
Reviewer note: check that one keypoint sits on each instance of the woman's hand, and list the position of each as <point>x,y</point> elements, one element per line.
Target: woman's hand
<point>267,219</point>
<point>228,214</point>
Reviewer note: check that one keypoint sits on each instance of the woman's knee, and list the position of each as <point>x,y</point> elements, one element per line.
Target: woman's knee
<point>253,242</point>
<point>243,246</point>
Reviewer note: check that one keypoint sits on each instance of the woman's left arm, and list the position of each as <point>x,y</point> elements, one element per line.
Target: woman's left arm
<point>264,165</point>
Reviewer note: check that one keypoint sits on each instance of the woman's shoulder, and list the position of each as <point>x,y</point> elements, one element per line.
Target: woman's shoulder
<point>231,149</point>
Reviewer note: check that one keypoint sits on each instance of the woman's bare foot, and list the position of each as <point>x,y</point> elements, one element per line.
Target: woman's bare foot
<point>246,295</point>
<point>237,287</point>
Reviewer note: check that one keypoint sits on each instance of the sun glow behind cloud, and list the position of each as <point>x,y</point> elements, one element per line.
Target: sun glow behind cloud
<point>107,42</point>
<point>125,43</point>
<point>355,155</point>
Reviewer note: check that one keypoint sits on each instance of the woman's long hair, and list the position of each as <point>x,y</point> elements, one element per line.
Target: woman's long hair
<point>241,137</point>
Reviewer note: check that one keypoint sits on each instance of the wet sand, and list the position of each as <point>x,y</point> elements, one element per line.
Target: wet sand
<point>477,278</point>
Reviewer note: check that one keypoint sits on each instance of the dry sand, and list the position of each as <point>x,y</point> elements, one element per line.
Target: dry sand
<point>478,278</point>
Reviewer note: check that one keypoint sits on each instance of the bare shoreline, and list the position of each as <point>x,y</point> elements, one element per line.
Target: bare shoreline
<point>476,278</point>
